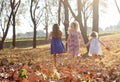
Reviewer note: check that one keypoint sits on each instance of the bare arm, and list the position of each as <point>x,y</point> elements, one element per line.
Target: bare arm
<point>68,39</point>
<point>88,43</point>
<point>104,45</point>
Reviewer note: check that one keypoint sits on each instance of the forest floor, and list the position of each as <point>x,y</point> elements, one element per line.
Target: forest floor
<point>36,65</point>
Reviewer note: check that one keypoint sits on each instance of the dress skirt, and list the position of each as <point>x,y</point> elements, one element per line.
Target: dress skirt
<point>56,46</point>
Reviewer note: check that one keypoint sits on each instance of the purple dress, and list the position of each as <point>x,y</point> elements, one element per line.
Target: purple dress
<point>56,46</point>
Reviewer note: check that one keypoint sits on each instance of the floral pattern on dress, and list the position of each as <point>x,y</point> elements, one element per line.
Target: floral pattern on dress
<point>74,43</point>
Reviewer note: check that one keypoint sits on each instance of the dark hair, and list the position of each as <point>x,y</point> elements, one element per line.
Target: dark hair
<point>55,27</point>
<point>56,33</point>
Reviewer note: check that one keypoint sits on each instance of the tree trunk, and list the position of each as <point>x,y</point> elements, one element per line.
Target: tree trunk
<point>46,28</point>
<point>59,10</point>
<point>66,22</point>
<point>6,32</point>
<point>34,36</point>
<point>14,7</point>
<point>79,19</point>
<point>1,45</point>
<point>82,28</point>
<point>14,34</point>
<point>85,22</point>
<point>32,14</point>
<point>46,20</point>
<point>95,16</point>
<point>83,31</point>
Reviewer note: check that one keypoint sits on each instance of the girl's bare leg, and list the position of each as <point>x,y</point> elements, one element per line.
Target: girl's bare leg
<point>54,56</point>
<point>60,58</point>
<point>94,56</point>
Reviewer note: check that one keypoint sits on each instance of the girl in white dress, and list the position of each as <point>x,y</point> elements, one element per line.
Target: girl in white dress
<point>94,45</point>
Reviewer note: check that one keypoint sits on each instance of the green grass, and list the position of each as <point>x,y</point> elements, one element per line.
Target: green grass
<point>25,39</point>
<point>43,38</point>
<point>109,33</point>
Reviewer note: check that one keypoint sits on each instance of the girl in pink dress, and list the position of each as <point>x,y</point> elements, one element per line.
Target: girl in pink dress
<point>73,40</point>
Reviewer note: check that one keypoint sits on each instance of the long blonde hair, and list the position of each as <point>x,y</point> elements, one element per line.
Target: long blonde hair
<point>74,26</point>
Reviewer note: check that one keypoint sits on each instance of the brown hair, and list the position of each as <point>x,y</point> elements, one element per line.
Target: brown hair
<point>56,33</point>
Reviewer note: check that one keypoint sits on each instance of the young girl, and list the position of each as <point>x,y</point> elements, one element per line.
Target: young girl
<point>94,45</point>
<point>56,43</point>
<point>73,40</point>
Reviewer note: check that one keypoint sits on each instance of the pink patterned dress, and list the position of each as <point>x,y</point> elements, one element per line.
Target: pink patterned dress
<point>74,43</point>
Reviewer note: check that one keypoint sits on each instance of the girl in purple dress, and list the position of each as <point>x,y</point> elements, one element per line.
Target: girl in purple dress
<point>57,46</point>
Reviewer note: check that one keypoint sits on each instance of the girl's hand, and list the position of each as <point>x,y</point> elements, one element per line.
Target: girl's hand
<point>85,45</point>
<point>65,42</point>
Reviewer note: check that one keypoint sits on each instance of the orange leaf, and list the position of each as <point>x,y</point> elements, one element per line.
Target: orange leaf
<point>15,75</point>
<point>25,80</point>
<point>44,70</point>
<point>25,67</point>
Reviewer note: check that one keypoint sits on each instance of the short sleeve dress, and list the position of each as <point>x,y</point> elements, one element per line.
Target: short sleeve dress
<point>94,47</point>
<point>74,43</point>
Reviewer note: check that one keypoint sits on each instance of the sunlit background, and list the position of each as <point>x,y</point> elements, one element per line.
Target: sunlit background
<point>109,17</point>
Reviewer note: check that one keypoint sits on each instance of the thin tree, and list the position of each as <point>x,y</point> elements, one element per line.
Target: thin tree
<point>87,13</point>
<point>46,19</point>
<point>35,17</point>
<point>66,21</point>
<point>14,6</point>
<point>2,25</point>
<point>49,16</point>
<point>7,27</point>
<point>95,15</point>
<point>59,10</point>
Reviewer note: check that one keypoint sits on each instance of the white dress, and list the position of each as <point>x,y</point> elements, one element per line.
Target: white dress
<point>94,47</point>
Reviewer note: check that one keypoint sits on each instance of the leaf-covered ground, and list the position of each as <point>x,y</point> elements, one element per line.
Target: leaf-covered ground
<point>36,65</point>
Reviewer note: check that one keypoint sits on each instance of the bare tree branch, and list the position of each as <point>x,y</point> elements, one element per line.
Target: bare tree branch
<point>117,6</point>
<point>73,14</point>
<point>17,6</point>
<point>59,10</point>
<point>1,9</point>
<point>38,21</point>
<point>31,12</point>
<point>35,9</point>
